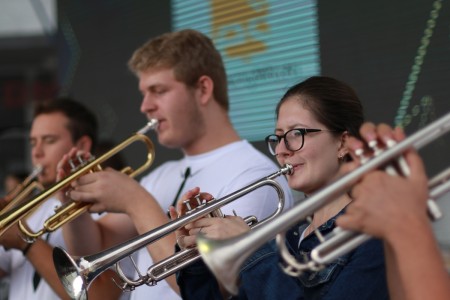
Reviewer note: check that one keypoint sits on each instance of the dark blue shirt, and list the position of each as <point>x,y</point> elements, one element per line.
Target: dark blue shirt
<point>358,275</point>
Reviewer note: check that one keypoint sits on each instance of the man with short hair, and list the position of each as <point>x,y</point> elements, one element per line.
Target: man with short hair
<point>57,127</point>
<point>183,84</point>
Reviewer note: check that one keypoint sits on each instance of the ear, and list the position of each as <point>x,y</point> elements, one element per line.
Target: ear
<point>343,149</point>
<point>205,88</point>
<point>84,143</point>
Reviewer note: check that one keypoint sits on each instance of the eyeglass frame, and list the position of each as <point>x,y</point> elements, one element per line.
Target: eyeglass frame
<point>303,132</point>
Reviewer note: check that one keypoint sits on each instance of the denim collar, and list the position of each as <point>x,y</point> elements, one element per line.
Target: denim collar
<point>293,234</point>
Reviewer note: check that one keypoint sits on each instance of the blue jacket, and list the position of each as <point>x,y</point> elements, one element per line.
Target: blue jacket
<point>358,275</point>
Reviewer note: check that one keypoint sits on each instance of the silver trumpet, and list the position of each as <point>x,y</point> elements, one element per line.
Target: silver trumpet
<point>225,257</point>
<point>340,241</point>
<point>76,274</point>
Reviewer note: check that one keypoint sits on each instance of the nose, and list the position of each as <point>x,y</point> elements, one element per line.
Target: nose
<point>37,150</point>
<point>37,153</point>
<point>148,105</point>
<point>281,149</point>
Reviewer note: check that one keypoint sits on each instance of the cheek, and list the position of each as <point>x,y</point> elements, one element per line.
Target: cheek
<point>57,151</point>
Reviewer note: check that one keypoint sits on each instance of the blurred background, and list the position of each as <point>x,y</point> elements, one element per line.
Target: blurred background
<point>396,54</point>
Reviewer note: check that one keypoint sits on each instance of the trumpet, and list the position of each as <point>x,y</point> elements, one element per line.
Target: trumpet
<point>76,274</point>
<point>224,258</point>
<point>340,241</point>
<point>23,190</point>
<point>71,210</point>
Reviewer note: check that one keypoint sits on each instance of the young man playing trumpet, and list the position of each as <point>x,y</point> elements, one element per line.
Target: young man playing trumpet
<point>183,84</point>
<point>56,128</point>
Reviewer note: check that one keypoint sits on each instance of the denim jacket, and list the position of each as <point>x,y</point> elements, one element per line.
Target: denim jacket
<point>357,275</point>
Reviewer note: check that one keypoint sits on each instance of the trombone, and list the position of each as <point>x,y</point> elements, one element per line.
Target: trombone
<point>76,274</point>
<point>71,210</point>
<point>224,258</point>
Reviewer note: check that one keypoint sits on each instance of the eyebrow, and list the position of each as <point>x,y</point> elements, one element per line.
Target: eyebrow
<point>297,125</point>
<point>45,136</point>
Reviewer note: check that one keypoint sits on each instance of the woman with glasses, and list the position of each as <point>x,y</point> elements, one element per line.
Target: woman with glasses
<point>314,120</point>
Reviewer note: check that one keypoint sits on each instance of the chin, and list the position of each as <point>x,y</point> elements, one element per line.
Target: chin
<point>47,181</point>
<point>297,185</point>
<point>168,143</point>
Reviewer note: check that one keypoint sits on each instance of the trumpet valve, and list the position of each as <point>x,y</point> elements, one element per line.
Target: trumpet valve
<point>187,204</point>
<point>197,202</point>
<point>194,203</point>
<point>79,162</point>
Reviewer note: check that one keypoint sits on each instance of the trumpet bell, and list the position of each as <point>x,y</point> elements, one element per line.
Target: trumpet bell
<point>70,274</point>
<point>222,259</point>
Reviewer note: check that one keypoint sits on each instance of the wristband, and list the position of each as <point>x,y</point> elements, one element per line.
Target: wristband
<point>26,249</point>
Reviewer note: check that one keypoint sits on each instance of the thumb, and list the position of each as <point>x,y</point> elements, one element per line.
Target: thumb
<point>416,166</point>
<point>173,213</point>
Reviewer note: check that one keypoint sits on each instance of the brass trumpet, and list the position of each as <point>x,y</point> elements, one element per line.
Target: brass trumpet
<point>23,190</point>
<point>77,274</point>
<point>71,210</point>
<point>224,258</point>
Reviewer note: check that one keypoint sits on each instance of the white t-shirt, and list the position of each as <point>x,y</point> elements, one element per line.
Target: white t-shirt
<point>220,173</point>
<point>20,270</point>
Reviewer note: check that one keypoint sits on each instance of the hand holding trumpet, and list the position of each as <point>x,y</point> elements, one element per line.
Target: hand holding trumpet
<point>394,208</point>
<point>105,190</point>
<point>212,227</point>
<point>381,201</point>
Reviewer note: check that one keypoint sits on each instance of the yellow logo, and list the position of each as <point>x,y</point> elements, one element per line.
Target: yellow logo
<point>239,25</point>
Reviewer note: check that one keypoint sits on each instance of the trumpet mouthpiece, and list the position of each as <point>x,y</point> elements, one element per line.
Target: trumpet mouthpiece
<point>151,124</point>
<point>36,171</point>
<point>287,169</point>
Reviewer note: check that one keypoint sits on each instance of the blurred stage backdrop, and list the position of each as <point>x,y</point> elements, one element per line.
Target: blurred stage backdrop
<point>396,54</point>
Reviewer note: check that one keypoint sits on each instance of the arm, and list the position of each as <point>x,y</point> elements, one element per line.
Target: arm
<point>39,254</point>
<point>132,211</point>
<point>425,277</point>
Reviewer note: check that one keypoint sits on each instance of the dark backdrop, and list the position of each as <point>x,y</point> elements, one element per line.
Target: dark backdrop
<point>394,53</point>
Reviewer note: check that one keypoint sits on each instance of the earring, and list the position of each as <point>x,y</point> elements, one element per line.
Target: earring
<point>341,156</point>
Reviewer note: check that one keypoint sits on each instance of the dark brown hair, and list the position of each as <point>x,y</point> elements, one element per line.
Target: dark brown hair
<point>81,120</point>
<point>332,102</point>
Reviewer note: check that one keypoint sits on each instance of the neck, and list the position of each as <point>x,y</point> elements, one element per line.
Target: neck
<point>219,132</point>
<point>327,212</point>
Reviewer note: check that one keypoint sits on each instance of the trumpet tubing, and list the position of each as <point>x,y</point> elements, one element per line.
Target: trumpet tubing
<point>180,260</point>
<point>224,258</point>
<point>340,241</point>
<point>18,212</point>
<point>77,274</point>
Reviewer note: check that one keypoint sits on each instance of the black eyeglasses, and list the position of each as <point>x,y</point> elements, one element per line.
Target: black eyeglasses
<point>293,139</point>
